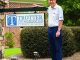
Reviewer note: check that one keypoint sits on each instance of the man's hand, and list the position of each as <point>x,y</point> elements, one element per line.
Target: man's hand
<point>36,5</point>
<point>57,33</point>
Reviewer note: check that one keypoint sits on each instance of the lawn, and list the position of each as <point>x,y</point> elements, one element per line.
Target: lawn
<point>11,51</point>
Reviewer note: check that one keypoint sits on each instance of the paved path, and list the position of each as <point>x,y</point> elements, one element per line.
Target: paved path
<point>76,56</point>
<point>43,59</point>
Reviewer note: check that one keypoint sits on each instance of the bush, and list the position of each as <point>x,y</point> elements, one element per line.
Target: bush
<point>76,31</point>
<point>68,46</point>
<point>0,31</point>
<point>9,39</point>
<point>36,39</point>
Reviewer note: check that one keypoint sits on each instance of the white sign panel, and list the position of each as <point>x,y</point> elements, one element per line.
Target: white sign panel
<point>15,20</point>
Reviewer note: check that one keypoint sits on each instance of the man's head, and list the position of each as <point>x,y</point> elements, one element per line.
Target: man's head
<point>52,3</point>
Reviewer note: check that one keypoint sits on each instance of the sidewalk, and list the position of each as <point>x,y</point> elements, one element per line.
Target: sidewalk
<point>69,58</point>
<point>42,59</point>
<point>75,56</point>
<point>29,59</point>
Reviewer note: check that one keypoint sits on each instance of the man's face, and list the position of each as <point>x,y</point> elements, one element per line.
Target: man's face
<point>52,2</point>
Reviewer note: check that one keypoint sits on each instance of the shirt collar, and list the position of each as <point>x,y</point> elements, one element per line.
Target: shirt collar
<point>54,6</point>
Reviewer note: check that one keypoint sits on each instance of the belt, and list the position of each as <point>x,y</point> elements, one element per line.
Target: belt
<point>53,27</point>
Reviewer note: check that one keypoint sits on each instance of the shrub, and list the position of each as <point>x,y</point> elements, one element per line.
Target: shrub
<point>0,31</point>
<point>9,39</point>
<point>68,46</point>
<point>76,31</point>
<point>45,3</point>
<point>36,39</point>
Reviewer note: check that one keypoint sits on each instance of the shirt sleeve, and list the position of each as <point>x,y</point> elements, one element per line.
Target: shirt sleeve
<point>61,17</point>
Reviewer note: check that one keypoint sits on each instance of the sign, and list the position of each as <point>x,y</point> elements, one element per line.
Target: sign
<point>19,20</point>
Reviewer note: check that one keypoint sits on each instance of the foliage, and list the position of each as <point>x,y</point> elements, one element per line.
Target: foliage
<point>46,3</point>
<point>68,45</point>
<point>71,11</point>
<point>0,30</point>
<point>36,39</point>
<point>9,39</point>
<point>76,32</point>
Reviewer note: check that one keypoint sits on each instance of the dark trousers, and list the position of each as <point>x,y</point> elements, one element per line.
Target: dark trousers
<point>55,43</point>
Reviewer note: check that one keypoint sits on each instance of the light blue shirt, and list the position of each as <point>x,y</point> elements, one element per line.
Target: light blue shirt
<point>54,15</point>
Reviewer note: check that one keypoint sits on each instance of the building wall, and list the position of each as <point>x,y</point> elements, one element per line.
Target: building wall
<point>19,5</point>
<point>16,35</point>
<point>15,31</point>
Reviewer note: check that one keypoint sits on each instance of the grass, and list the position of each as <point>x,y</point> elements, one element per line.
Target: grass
<point>11,51</point>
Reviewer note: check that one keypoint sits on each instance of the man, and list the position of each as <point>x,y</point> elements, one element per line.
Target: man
<point>55,21</point>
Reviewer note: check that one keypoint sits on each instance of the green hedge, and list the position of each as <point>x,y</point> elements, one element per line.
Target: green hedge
<point>68,45</point>
<point>36,39</point>
<point>76,31</point>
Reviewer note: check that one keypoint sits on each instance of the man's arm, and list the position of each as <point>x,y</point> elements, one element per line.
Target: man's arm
<point>59,28</point>
<point>60,22</point>
<point>61,18</point>
<point>60,25</point>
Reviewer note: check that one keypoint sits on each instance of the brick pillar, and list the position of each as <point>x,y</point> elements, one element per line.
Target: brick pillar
<point>7,3</point>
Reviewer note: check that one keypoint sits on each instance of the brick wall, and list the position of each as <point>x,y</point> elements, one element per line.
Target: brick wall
<point>15,31</point>
<point>19,5</point>
<point>16,35</point>
<point>22,5</point>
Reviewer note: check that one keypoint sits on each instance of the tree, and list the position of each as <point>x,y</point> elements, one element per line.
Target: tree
<point>71,11</point>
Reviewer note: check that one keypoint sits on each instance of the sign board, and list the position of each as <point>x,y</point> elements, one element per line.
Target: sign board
<point>20,20</point>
